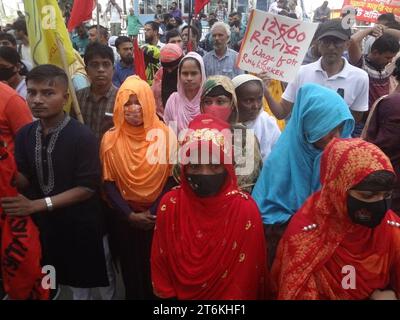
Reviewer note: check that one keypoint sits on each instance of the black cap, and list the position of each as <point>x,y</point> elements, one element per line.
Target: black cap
<point>334,28</point>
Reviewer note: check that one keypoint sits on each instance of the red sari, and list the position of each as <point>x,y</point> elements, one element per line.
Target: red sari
<point>209,248</point>
<point>20,249</point>
<point>310,263</point>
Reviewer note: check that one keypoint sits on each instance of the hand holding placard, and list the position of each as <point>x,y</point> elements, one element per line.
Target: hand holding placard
<point>275,44</point>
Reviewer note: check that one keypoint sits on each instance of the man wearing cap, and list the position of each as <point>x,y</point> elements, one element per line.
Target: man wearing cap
<point>331,70</point>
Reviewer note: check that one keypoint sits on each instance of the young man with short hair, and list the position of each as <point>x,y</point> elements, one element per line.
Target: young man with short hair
<point>59,177</point>
<point>174,36</point>
<point>383,50</point>
<point>97,101</point>
<point>21,33</point>
<point>8,40</point>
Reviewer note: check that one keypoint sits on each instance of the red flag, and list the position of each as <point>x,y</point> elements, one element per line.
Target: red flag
<point>199,4</point>
<point>81,11</point>
<point>138,58</point>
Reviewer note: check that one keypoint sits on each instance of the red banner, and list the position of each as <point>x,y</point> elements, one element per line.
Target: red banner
<point>370,10</point>
<point>199,5</point>
<point>81,11</point>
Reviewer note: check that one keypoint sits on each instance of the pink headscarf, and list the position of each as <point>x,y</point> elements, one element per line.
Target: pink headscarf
<point>178,107</point>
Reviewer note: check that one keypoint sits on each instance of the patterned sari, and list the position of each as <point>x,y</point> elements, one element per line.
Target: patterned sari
<point>211,247</point>
<point>312,263</point>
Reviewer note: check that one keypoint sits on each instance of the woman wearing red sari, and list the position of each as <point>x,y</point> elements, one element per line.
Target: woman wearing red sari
<point>343,243</point>
<point>208,241</point>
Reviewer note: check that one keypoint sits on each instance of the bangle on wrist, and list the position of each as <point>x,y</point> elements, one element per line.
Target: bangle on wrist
<point>49,203</point>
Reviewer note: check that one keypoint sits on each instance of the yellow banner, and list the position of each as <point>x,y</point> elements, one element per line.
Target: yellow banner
<point>44,23</point>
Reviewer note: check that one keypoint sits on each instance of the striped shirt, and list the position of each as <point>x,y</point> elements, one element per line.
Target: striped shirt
<point>379,80</point>
<point>225,66</point>
<point>94,111</point>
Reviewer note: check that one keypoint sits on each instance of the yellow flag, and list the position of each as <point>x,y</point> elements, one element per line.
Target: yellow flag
<point>45,23</point>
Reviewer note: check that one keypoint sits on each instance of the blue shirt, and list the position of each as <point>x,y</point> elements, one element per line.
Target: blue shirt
<point>224,66</point>
<point>121,73</point>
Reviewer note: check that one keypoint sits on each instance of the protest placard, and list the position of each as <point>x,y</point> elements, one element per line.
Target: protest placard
<point>275,44</point>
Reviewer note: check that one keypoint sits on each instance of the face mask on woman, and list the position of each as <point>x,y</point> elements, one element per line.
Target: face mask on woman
<point>367,214</point>
<point>7,73</point>
<point>220,112</point>
<point>206,185</point>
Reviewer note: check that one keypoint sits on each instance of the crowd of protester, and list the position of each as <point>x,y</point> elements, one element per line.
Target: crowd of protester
<point>299,179</point>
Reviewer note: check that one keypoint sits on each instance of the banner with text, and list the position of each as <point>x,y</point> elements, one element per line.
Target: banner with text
<point>370,10</point>
<point>275,44</point>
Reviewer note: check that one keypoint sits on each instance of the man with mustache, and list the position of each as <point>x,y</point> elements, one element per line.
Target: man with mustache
<point>221,60</point>
<point>123,68</point>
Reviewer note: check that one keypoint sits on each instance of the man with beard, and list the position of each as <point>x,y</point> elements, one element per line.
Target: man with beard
<point>221,60</point>
<point>237,32</point>
<point>151,34</point>
<point>123,68</point>
<point>165,26</point>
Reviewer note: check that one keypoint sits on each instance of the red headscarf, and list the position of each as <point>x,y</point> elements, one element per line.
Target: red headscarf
<point>20,245</point>
<point>309,263</point>
<point>213,247</point>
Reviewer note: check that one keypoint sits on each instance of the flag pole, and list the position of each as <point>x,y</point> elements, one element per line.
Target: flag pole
<point>98,20</point>
<point>75,103</point>
<point>189,44</point>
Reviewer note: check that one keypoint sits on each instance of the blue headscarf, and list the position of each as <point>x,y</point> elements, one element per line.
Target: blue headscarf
<point>291,172</point>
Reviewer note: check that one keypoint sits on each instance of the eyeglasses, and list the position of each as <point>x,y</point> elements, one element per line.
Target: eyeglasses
<point>338,43</point>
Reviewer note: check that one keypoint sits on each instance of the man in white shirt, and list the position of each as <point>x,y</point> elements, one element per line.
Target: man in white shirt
<point>151,34</point>
<point>331,70</point>
<point>296,9</point>
<point>278,6</point>
<point>21,34</point>
<point>115,18</point>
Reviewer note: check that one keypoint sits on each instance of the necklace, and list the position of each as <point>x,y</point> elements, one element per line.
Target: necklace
<point>49,186</point>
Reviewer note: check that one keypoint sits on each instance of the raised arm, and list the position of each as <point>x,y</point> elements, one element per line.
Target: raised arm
<point>355,48</point>
<point>281,110</point>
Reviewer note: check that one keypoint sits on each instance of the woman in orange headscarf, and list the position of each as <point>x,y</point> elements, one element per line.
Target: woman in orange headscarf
<point>344,243</point>
<point>136,158</point>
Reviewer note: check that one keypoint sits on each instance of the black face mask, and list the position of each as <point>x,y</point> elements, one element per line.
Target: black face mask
<point>206,185</point>
<point>7,73</point>
<point>367,214</point>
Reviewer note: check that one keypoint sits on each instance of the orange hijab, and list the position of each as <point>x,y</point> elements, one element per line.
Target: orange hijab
<point>137,158</point>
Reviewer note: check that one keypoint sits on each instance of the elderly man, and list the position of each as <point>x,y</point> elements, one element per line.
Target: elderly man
<point>221,60</point>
